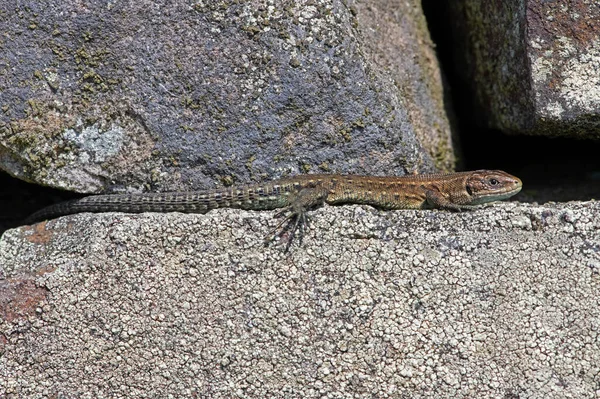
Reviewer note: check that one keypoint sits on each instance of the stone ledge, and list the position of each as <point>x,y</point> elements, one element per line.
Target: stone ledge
<point>499,302</point>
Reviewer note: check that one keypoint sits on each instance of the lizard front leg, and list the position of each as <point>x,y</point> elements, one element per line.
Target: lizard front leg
<point>437,200</point>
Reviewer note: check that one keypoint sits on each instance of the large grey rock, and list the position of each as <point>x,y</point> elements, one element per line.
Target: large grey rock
<point>532,64</point>
<point>501,302</point>
<point>167,96</point>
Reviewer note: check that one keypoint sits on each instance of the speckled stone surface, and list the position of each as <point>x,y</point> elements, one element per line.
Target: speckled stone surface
<point>501,302</point>
<point>177,95</point>
<point>532,64</point>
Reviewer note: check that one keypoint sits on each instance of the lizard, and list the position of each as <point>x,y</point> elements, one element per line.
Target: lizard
<point>297,194</point>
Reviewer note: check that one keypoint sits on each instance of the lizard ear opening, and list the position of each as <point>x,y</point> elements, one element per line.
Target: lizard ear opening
<point>469,190</point>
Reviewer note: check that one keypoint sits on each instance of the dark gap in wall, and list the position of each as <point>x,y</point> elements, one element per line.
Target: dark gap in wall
<point>551,169</point>
<point>19,199</point>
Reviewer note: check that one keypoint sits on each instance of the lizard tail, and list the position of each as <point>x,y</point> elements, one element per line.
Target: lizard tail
<point>244,197</point>
<point>192,202</point>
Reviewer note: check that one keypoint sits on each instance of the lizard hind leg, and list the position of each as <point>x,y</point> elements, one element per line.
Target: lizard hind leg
<point>294,217</point>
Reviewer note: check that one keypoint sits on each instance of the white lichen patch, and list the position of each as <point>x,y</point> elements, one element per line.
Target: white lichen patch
<point>581,79</point>
<point>572,74</point>
<point>96,144</point>
<point>541,68</point>
<point>555,109</point>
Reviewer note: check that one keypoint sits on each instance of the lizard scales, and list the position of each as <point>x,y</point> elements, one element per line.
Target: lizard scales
<point>455,191</point>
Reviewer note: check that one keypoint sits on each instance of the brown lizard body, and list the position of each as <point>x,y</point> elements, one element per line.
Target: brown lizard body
<point>298,194</point>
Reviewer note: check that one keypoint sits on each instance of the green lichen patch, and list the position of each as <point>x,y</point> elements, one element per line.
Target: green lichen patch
<point>35,140</point>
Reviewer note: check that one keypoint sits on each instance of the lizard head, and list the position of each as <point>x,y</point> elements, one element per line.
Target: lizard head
<point>491,185</point>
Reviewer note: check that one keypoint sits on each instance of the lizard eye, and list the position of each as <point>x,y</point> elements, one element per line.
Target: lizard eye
<point>494,182</point>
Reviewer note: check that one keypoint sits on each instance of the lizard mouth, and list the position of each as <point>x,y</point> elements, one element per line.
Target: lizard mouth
<point>506,194</point>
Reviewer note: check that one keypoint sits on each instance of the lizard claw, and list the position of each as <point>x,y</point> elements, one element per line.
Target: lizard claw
<point>293,221</point>
<point>294,215</point>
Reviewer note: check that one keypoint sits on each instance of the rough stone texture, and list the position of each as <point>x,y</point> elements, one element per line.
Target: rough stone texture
<point>532,64</point>
<point>164,96</point>
<point>501,302</point>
